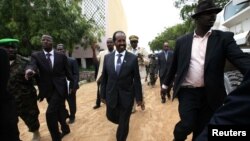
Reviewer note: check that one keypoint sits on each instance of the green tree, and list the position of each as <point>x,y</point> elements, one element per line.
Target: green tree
<point>27,20</point>
<point>169,35</point>
<point>172,33</point>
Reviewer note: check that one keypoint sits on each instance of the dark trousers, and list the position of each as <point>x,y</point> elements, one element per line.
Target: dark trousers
<point>98,94</point>
<point>56,113</point>
<point>120,116</point>
<point>62,120</point>
<point>71,99</point>
<point>8,121</point>
<point>194,113</point>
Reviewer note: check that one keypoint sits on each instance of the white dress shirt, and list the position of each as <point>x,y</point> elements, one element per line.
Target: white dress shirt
<point>122,57</point>
<point>52,56</point>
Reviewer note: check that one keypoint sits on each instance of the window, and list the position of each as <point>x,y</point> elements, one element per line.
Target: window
<point>231,10</point>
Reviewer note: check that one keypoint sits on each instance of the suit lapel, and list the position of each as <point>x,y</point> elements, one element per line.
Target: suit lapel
<point>55,60</point>
<point>112,62</point>
<point>188,48</point>
<point>163,56</point>
<point>124,62</point>
<point>211,43</point>
<point>169,57</point>
<point>44,60</point>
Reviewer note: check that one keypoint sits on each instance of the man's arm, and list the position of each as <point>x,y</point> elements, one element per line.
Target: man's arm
<point>170,74</point>
<point>145,56</point>
<point>235,110</point>
<point>75,73</point>
<point>68,73</point>
<point>235,55</point>
<point>95,59</point>
<point>104,81</point>
<point>31,69</point>
<point>137,83</point>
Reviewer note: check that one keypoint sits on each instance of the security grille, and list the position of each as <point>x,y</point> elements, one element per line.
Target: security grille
<point>95,10</point>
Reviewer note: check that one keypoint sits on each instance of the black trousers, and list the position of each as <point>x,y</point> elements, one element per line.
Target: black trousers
<point>71,99</point>
<point>194,113</point>
<point>98,95</point>
<point>8,121</point>
<point>56,113</point>
<point>120,116</point>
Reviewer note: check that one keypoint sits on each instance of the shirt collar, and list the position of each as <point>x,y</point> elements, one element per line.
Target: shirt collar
<point>111,51</point>
<point>206,35</point>
<point>123,53</point>
<point>51,52</point>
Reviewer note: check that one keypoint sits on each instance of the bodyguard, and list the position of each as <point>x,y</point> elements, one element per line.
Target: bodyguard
<point>198,70</point>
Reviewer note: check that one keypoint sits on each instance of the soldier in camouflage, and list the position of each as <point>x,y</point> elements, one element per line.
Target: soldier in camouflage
<point>23,90</point>
<point>153,70</point>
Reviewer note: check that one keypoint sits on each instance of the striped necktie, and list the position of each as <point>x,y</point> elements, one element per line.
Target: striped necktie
<point>49,60</point>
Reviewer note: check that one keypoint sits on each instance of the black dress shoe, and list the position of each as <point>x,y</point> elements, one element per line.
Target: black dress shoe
<point>64,134</point>
<point>71,120</point>
<point>96,106</point>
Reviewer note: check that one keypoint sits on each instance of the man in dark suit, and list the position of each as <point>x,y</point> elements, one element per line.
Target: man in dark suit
<point>8,119</point>
<point>164,61</point>
<point>53,70</point>
<point>75,72</point>
<point>235,110</point>
<point>198,67</point>
<point>99,59</point>
<point>120,84</point>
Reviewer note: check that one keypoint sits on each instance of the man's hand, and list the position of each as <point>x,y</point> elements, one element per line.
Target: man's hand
<point>40,98</point>
<point>29,73</point>
<point>103,101</point>
<point>93,46</point>
<point>142,104</point>
<point>164,89</point>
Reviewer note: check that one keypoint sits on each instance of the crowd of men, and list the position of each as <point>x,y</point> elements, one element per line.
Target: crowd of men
<point>194,69</point>
<point>57,79</point>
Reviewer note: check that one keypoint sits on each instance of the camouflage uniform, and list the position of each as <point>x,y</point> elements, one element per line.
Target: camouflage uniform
<point>24,94</point>
<point>153,69</point>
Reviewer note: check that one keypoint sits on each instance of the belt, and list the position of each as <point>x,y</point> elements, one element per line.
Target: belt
<point>190,86</point>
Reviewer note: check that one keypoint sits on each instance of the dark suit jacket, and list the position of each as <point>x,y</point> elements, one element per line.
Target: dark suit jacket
<point>50,79</point>
<point>164,64</point>
<point>220,46</point>
<point>125,87</point>
<point>75,71</point>
<point>235,110</point>
<point>4,75</point>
